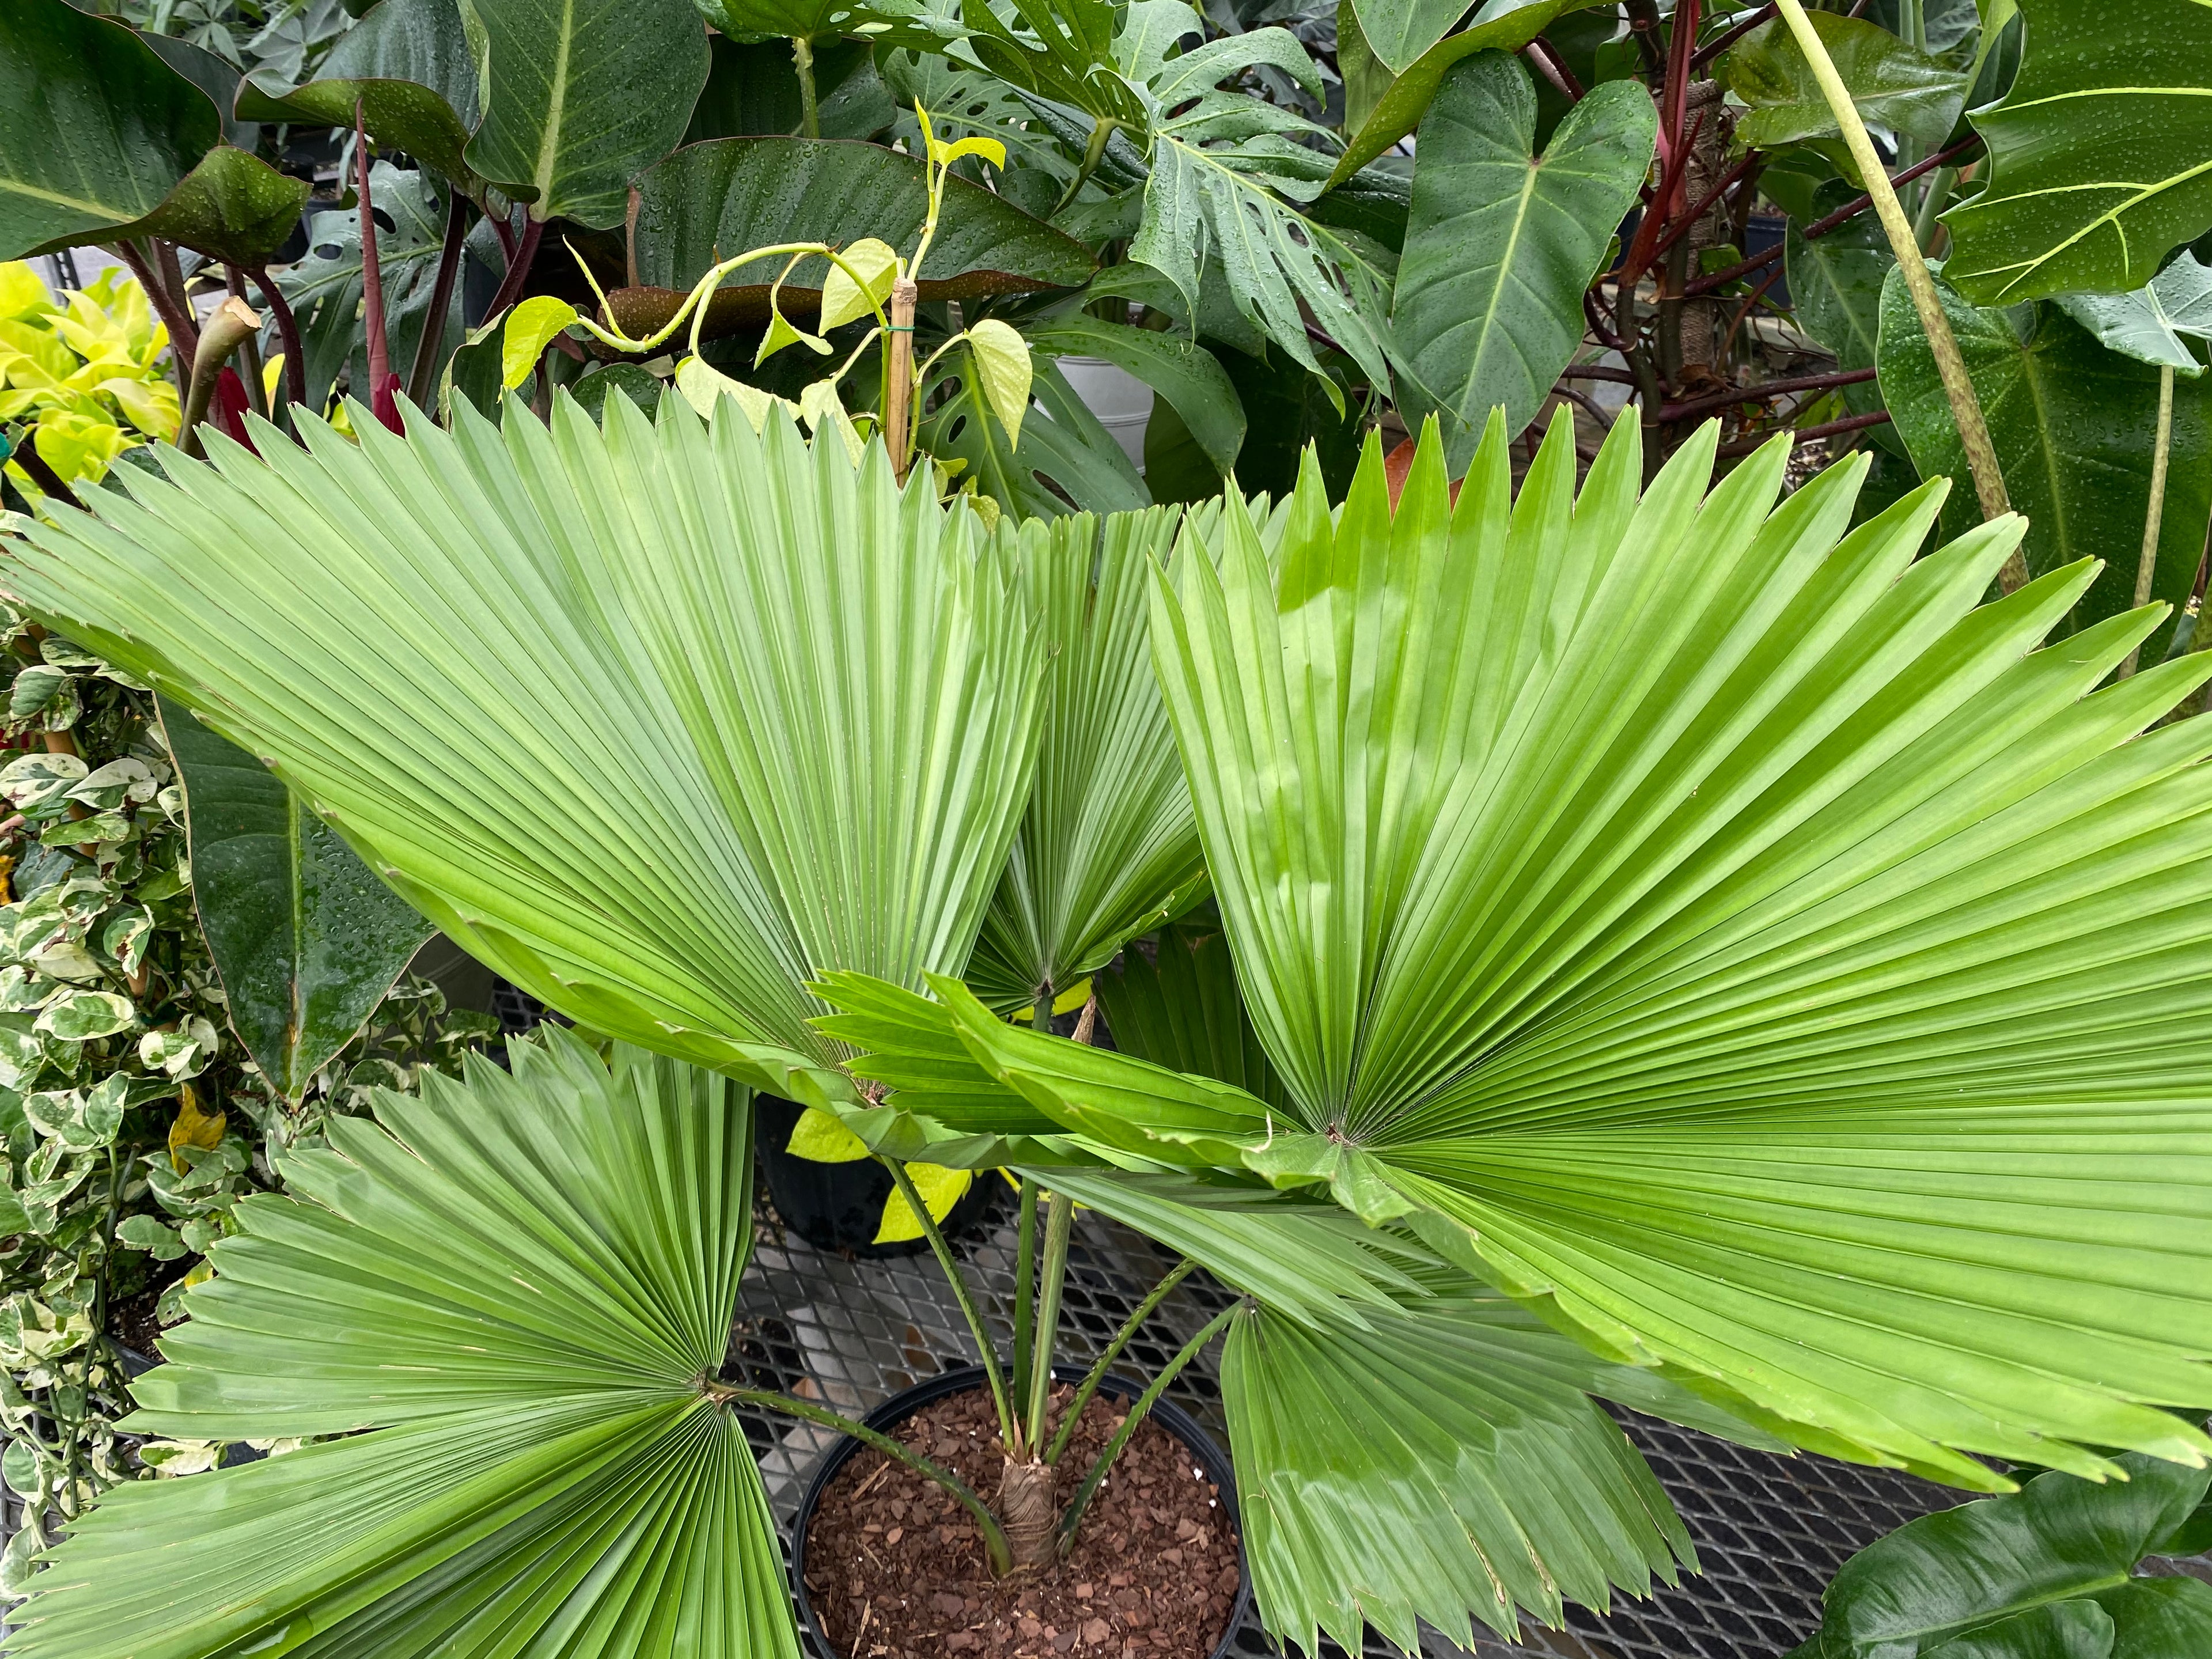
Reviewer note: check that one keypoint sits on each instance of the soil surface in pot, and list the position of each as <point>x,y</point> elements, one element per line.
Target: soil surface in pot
<point>896,1569</point>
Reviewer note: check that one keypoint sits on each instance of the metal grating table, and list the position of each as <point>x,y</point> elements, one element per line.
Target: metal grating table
<point>1770,1531</point>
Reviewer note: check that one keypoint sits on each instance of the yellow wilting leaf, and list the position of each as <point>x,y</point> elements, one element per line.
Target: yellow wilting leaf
<point>193,1127</point>
<point>819,1138</point>
<point>1064,1002</point>
<point>1002,362</point>
<point>531,327</point>
<point>940,1189</point>
<point>842,299</point>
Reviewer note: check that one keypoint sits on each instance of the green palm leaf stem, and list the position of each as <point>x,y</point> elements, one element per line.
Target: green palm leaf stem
<point>1704,923</point>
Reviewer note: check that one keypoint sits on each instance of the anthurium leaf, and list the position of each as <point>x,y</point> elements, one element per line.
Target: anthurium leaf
<point>113,130</point>
<point>1835,289</point>
<point>2159,1618</point>
<point>2074,426</point>
<point>1350,1441</point>
<point>232,206</point>
<point>580,97</point>
<point>1001,359</point>
<point>1107,843</point>
<point>1173,1000</point>
<point>533,657</point>
<point>732,194</point>
<point>2057,1539</point>
<point>1654,968</point>
<point>1398,31</point>
<point>307,940</point>
<point>515,1284</point>
<point>1893,83</point>
<point>1500,28</point>
<point>407,66</point>
<point>2079,204</point>
<point>808,19</point>
<point>1187,375</point>
<point>213,76</point>
<point>2154,324</point>
<point>1501,243</point>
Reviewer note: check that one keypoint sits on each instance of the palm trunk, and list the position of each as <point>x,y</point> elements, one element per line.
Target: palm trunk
<point>1027,1512</point>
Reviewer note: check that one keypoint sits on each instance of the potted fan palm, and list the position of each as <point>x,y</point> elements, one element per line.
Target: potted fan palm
<point>1682,950</point>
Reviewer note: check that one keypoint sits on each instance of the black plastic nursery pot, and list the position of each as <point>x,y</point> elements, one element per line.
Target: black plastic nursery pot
<point>887,1417</point>
<point>838,1207</point>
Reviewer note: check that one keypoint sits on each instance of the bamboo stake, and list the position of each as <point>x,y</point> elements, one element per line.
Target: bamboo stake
<point>898,406</point>
<point>1957,385</point>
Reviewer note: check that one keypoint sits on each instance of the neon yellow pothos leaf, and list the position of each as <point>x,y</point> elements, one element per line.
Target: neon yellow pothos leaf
<point>781,333</point>
<point>531,327</point>
<point>819,1138</point>
<point>940,1189</point>
<point>1002,363</point>
<point>1066,1002</point>
<point>843,301</point>
<point>990,150</point>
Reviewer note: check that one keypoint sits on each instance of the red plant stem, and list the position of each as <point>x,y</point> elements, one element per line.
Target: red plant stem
<point>372,289</point>
<point>1833,429</point>
<point>518,272</point>
<point>287,331</point>
<point>1743,312</point>
<point>176,316</point>
<point>1682,42</point>
<point>1597,371</point>
<point>1842,215</point>
<point>1754,394</point>
<point>424,369</point>
<point>1640,253</point>
<point>1593,313</point>
<point>1540,53</point>
<point>1683,226</point>
<point>1705,54</point>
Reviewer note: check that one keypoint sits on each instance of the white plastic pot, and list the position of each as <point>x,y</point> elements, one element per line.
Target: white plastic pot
<point>1122,403</point>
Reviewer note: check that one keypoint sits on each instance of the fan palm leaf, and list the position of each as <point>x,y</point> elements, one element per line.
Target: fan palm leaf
<point>517,1284</point>
<point>1107,847</point>
<point>659,720</point>
<point>1711,924</point>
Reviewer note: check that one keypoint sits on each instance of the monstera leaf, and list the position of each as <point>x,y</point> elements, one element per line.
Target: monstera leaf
<point>1711,928</point>
<point>2100,154</point>
<point>663,720</point>
<point>1108,847</point>
<point>517,1286</point>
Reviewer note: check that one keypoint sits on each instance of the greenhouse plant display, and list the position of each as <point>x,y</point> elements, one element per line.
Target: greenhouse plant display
<point>1560,896</point>
<point>1754,868</point>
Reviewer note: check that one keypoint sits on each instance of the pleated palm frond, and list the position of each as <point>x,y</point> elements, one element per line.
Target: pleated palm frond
<point>517,1284</point>
<point>1711,925</point>
<point>660,721</point>
<point>1108,847</point>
